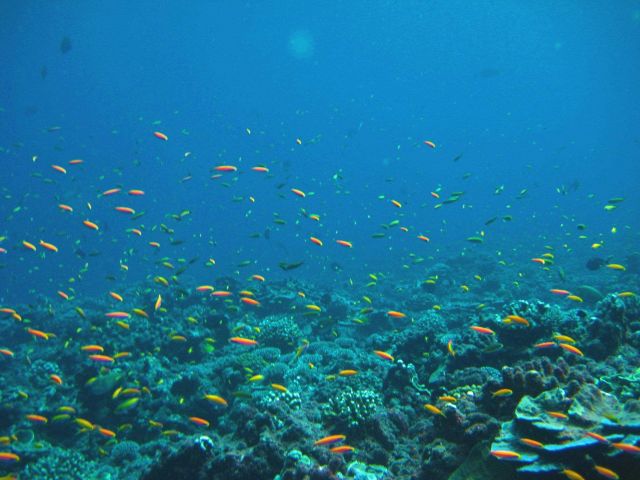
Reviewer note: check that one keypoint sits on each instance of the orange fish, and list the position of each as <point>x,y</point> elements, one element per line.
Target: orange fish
<point>260,169</point>
<point>531,443</point>
<point>243,341</point>
<point>36,418</point>
<point>116,296</point>
<point>396,203</point>
<point>161,136</point>
<point>106,433</point>
<point>136,192</point>
<point>342,449</point>
<point>49,246</point>
<point>396,314</point>
<point>55,378</point>
<point>205,288</point>
<point>158,303</point>
<point>606,472</point>
<point>59,168</point>
<point>28,245</point>
<point>90,224</point>
<point>250,301</point>
<point>570,348</point>
<point>558,415</point>
<point>505,454</point>
<point>259,278</point>
<point>65,208</point>
<point>626,447</point>
<point>226,168</point>
<point>111,191</point>
<point>545,345</point>
<point>516,319</point>
<point>102,358</point>
<point>200,421</point>
<point>347,373</point>
<point>429,144</point>
<point>315,240</point>
<point>383,355</point>
<point>221,293</point>
<point>38,333</point>
<point>345,243</point>
<point>423,238</point>
<point>483,330</point>
<point>558,291</point>
<point>92,348</point>
<point>298,192</point>
<point>330,439</point>
<point>9,457</point>
<point>128,210</point>
<point>597,436</point>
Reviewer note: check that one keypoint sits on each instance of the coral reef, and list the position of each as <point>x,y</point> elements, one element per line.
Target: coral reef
<point>68,464</point>
<point>191,405</point>
<point>351,408</point>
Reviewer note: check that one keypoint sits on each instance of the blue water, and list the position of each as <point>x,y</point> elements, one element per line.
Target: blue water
<point>533,96</point>
<point>533,110</point>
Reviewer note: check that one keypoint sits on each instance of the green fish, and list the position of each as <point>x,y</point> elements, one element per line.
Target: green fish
<point>475,239</point>
<point>127,404</point>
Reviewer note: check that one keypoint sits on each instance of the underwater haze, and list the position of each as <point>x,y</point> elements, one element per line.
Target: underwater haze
<point>320,240</point>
